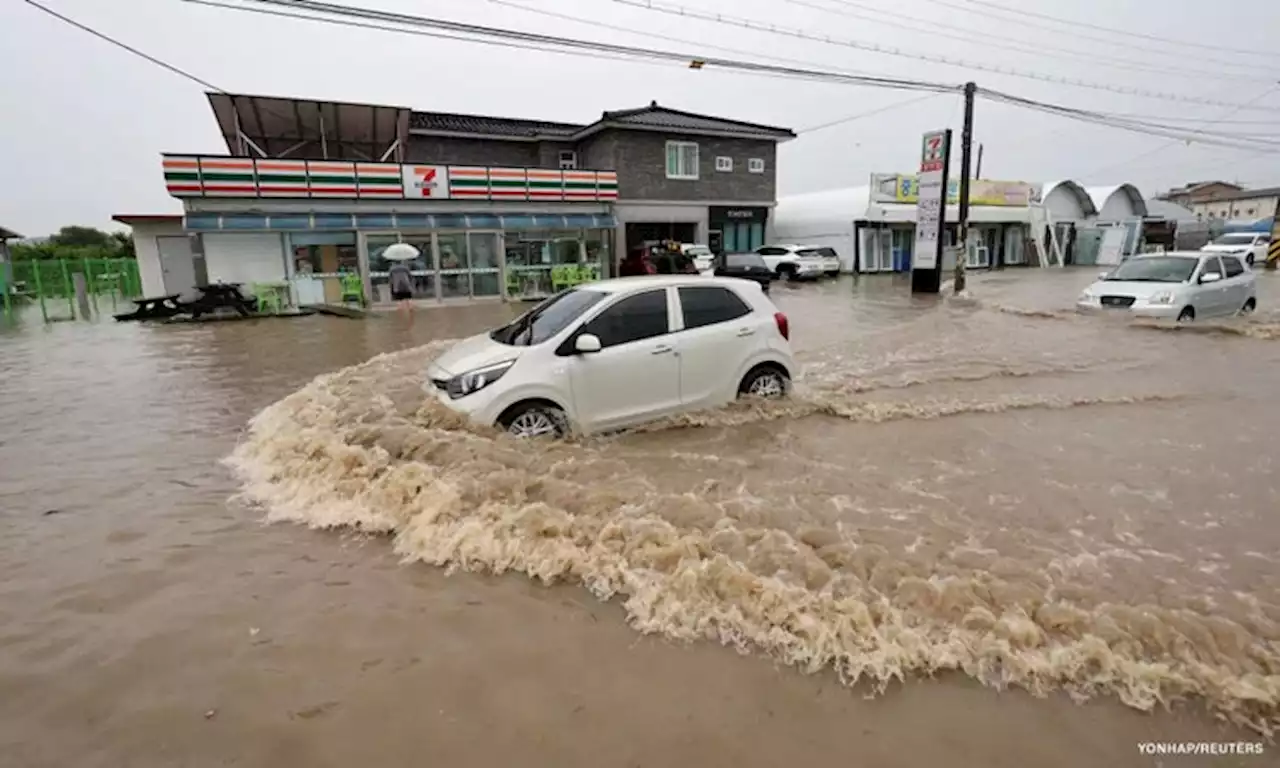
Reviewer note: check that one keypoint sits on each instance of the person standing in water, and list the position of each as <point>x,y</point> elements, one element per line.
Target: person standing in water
<point>401,279</point>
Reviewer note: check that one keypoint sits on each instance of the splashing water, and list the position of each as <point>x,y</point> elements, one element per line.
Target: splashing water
<point>748,567</point>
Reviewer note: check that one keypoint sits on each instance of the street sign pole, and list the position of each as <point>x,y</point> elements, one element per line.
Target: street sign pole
<point>931,212</point>
<point>966,146</point>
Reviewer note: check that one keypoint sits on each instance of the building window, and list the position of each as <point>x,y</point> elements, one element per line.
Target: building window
<point>755,165</point>
<point>682,160</point>
<point>724,164</point>
<point>568,160</point>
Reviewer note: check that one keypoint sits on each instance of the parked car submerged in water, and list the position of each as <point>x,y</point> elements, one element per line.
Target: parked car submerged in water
<point>747,266</point>
<point>1179,285</point>
<point>616,353</point>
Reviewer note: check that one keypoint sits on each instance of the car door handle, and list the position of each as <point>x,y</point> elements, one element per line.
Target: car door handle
<point>746,331</point>
<point>662,350</point>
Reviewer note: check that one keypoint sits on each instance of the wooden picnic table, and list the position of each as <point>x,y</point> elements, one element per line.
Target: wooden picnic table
<point>153,308</point>
<point>215,296</point>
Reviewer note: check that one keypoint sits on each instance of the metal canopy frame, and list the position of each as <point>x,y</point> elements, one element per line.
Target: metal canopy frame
<point>271,127</point>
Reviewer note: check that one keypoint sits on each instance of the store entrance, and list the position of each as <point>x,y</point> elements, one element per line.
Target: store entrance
<point>638,233</point>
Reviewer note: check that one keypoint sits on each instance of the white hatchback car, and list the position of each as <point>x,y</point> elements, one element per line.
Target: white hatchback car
<point>1178,285</point>
<point>616,353</point>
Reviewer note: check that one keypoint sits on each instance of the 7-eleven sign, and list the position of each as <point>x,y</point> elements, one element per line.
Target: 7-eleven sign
<point>425,182</point>
<point>933,151</point>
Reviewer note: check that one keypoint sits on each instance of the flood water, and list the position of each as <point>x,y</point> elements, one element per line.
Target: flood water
<point>983,532</point>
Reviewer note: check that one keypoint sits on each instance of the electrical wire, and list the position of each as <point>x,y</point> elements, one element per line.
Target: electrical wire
<point>477,31</point>
<point>971,35</point>
<point>103,36</point>
<point>718,18</point>
<point>860,115</point>
<point>1127,34</point>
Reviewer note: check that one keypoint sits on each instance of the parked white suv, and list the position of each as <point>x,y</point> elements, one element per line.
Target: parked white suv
<point>616,353</point>
<point>1251,247</point>
<point>793,262</point>
<point>1179,285</point>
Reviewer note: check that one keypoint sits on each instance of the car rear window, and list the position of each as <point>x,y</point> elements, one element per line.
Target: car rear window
<point>710,304</point>
<point>744,260</point>
<point>772,250</point>
<point>809,253</point>
<point>828,253</point>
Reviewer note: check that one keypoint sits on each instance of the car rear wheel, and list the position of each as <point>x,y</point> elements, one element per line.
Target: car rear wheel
<point>786,272</point>
<point>534,419</point>
<point>765,381</point>
<point>1249,306</point>
<point>1187,315</point>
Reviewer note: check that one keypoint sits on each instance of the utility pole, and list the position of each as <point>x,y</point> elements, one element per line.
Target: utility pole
<point>977,169</point>
<point>966,147</point>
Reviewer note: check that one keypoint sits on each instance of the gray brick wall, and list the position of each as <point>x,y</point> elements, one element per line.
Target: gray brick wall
<point>450,150</point>
<point>640,157</point>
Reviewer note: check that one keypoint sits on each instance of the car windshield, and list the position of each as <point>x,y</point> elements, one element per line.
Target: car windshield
<point>547,319</point>
<point>744,260</point>
<point>1156,269</point>
<point>1239,238</point>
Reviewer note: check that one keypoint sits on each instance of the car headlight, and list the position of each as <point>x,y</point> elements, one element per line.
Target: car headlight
<point>1163,297</point>
<point>473,381</point>
<point>1086,295</point>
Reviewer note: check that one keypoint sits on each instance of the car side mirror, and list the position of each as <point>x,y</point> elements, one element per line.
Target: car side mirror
<point>1103,275</point>
<point>1210,277</point>
<point>586,344</point>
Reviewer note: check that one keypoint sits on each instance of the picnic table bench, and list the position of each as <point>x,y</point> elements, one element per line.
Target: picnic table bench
<point>153,308</point>
<point>219,295</point>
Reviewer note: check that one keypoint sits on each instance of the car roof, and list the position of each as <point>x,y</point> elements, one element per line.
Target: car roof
<point>640,282</point>
<point>1176,254</point>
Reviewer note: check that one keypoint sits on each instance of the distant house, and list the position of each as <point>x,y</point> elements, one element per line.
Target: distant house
<point>1198,192</point>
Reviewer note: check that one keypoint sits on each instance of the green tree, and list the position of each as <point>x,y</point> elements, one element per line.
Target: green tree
<point>75,235</point>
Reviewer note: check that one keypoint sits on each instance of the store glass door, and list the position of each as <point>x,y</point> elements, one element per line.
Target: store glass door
<point>423,268</point>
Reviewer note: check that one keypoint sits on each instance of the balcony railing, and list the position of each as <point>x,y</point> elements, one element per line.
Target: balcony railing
<point>188,176</point>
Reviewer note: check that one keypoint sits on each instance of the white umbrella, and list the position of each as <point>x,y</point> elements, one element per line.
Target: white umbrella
<point>401,252</point>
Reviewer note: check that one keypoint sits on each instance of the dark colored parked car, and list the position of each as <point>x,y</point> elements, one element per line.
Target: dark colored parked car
<point>749,266</point>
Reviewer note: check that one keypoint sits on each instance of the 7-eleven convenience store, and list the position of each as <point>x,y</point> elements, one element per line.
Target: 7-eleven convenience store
<point>321,224</point>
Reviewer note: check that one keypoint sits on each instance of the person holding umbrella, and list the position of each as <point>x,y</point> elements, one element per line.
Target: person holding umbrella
<point>400,275</point>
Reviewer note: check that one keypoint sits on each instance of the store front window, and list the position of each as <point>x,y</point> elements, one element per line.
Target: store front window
<point>468,264</point>
<point>320,262</point>
<point>422,268</point>
<point>542,262</point>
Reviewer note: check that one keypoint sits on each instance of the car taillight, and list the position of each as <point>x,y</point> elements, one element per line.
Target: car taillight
<point>784,327</point>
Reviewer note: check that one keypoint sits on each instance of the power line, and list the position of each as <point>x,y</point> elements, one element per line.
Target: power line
<point>1128,34</point>
<point>552,41</point>
<point>667,38</point>
<point>676,10</point>
<point>1163,147</point>
<point>955,32</point>
<point>861,115</point>
<point>478,31</point>
<point>102,36</point>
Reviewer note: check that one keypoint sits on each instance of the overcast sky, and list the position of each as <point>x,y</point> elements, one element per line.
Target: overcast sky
<point>84,122</point>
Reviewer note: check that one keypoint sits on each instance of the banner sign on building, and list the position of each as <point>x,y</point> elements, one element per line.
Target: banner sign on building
<point>903,188</point>
<point>426,182</point>
<point>930,195</point>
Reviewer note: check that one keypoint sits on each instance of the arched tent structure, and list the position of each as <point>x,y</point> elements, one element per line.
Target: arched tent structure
<point>1066,200</point>
<point>1121,202</point>
<point>823,218</point>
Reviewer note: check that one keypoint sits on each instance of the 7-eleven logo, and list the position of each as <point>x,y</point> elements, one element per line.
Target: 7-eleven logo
<point>425,181</point>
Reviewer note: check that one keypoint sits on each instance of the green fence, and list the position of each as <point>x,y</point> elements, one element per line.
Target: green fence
<point>40,280</point>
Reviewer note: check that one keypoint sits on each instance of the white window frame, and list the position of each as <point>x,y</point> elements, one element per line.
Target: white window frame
<point>755,165</point>
<point>683,150</point>
<point>568,160</point>
<point>724,164</point>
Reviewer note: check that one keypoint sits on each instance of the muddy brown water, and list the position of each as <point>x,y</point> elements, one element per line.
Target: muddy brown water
<point>983,532</point>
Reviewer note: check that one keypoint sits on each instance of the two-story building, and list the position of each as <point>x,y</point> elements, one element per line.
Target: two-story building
<point>312,193</point>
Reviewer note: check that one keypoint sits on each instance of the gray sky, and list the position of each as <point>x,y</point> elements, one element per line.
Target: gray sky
<point>84,122</point>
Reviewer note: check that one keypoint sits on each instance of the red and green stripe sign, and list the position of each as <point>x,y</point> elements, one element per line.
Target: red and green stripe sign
<point>227,177</point>
<point>282,178</point>
<point>606,185</point>
<point>379,180</point>
<point>468,181</point>
<point>182,176</point>
<point>329,179</point>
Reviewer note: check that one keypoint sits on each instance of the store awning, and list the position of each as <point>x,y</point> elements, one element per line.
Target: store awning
<point>302,222</point>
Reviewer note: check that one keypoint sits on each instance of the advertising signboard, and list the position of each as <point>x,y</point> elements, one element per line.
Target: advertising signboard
<point>425,182</point>
<point>930,196</point>
<point>904,188</point>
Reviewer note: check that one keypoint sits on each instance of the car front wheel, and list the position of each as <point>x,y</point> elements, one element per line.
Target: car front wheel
<point>534,419</point>
<point>1249,306</point>
<point>1187,315</point>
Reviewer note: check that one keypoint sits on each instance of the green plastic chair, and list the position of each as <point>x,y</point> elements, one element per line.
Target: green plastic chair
<point>561,277</point>
<point>352,288</point>
<point>588,273</point>
<point>269,298</point>
<point>513,285</point>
